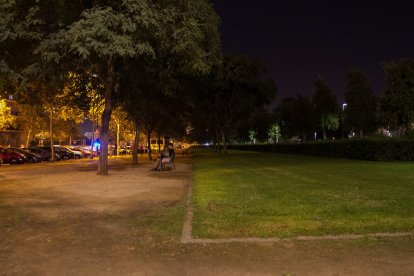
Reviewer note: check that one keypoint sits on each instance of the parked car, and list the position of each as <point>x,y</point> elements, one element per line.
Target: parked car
<point>76,153</point>
<point>122,151</point>
<point>45,154</point>
<point>80,150</point>
<point>86,150</point>
<point>62,152</point>
<point>65,152</point>
<point>31,157</point>
<point>8,156</point>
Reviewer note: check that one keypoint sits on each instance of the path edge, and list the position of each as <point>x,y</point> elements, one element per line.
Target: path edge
<point>186,233</point>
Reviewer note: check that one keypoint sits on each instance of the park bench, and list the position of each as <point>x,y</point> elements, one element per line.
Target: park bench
<point>171,164</point>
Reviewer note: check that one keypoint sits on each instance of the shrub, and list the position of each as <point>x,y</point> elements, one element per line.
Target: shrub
<point>362,149</point>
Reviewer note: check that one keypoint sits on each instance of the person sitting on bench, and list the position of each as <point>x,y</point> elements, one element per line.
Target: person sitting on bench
<point>165,156</point>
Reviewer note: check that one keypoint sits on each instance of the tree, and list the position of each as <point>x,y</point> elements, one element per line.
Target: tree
<point>274,133</point>
<point>141,103</point>
<point>31,120</point>
<point>119,118</point>
<point>6,118</point>
<point>101,39</point>
<point>252,136</point>
<point>361,108</point>
<point>260,120</point>
<point>324,103</point>
<point>397,102</point>
<point>294,115</point>
<point>231,94</point>
<point>330,122</point>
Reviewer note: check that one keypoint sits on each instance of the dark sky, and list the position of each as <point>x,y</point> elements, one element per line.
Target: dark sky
<point>300,40</point>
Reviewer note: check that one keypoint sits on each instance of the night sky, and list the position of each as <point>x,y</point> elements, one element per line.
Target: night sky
<point>301,40</point>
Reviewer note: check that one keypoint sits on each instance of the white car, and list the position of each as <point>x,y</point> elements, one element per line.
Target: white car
<point>78,154</point>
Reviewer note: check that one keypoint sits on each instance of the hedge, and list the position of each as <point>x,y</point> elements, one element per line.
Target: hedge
<point>362,149</point>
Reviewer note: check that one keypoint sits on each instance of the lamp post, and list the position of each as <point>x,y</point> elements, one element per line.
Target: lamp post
<point>52,148</point>
<point>343,119</point>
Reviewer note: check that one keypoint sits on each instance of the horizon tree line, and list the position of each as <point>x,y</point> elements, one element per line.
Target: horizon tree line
<point>362,114</point>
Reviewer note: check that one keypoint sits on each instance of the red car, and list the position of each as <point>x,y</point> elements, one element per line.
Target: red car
<point>10,157</point>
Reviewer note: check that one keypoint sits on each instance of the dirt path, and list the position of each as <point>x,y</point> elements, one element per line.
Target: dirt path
<point>64,219</point>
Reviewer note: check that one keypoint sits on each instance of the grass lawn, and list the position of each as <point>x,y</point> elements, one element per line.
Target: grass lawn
<point>248,194</point>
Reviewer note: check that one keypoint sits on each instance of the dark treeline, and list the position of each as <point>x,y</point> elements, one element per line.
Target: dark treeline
<point>322,117</point>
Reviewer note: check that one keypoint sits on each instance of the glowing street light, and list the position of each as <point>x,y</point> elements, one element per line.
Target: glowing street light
<point>343,119</point>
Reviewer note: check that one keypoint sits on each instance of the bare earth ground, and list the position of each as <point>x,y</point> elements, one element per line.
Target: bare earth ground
<point>63,219</point>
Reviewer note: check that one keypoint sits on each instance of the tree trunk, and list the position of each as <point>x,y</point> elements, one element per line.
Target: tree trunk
<point>217,140</point>
<point>117,139</point>
<point>106,117</point>
<point>136,145</point>
<point>223,141</point>
<point>158,141</point>
<point>149,130</point>
<point>28,137</point>
<point>52,148</point>
<point>31,127</point>
<point>215,148</point>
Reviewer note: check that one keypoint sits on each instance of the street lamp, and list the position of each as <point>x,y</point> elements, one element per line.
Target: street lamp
<point>343,119</point>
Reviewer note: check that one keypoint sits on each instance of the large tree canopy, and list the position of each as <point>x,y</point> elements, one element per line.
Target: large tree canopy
<point>324,105</point>
<point>360,112</point>
<point>397,102</point>
<point>294,115</point>
<point>230,95</point>
<point>103,38</point>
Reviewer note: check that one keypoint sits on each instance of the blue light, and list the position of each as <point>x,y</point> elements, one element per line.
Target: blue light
<point>96,146</point>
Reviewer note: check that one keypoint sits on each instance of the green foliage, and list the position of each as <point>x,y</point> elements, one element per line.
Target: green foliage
<point>324,104</point>
<point>274,133</point>
<point>260,121</point>
<point>361,149</point>
<point>252,135</point>
<point>230,95</point>
<point>397,102</point>
<point>294,115</point>
<point>330,121</point>
<point>6,118</point>
<point>98,39</point>
<point>103,38</point>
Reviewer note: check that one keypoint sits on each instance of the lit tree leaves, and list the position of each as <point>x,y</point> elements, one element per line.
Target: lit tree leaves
<point>6,118</point>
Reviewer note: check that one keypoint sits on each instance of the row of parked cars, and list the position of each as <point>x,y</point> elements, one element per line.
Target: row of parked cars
<point>12,155</point>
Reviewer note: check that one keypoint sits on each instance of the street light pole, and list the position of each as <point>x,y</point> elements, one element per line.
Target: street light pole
<point>343,119</point>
